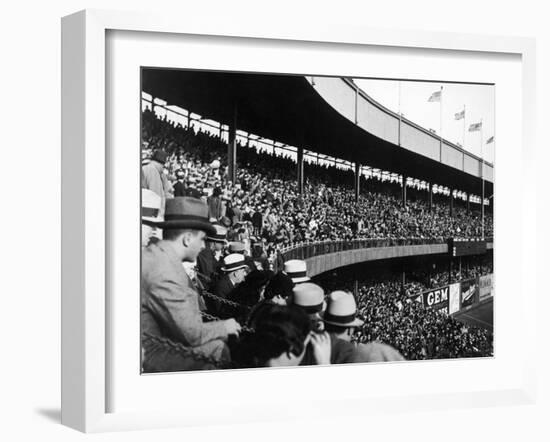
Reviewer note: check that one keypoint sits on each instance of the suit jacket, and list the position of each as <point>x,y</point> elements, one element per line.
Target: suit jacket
<point>376,352</point>
<point>170,301</point>
<point>179,189</point>
<point>222,289</point>
<point>153,179</point>
<point>342,352</point>
<point>208,266</point>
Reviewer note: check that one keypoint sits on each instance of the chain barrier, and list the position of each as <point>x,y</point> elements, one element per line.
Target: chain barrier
<point>225,301</point>
<point>210,317</point>
<point>177,347</point>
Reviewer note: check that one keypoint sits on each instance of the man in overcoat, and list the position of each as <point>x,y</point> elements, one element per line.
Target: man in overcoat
<point>174,336</point>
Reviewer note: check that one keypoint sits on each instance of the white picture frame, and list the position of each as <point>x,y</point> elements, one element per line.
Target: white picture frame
<point>85,258</point>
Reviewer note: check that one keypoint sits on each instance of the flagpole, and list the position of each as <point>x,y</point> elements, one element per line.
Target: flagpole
<point>482,184</point>
<point>399,110</point>
<point>464,128</point>
<point>441,124</point>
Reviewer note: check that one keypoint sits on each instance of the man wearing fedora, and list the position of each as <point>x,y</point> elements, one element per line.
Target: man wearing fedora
<point>154,179</point>
<point>210,259</point>
<point>179,186</point>
<point>296,269</point>
<point>340,320</point>
<point>170,301</point>
<point>150,216</point>
<point>340,317</point>
<point>239,247</point>
<point>235,270</point>
<point>311,299</point>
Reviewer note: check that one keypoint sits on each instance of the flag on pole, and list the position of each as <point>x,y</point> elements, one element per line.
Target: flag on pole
<point>460,115</point>
<point>436,96</point>
<point>490,140</point>
<point>474,127</point>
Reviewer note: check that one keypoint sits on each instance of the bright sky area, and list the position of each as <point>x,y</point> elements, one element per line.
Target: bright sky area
<point>479,101</point>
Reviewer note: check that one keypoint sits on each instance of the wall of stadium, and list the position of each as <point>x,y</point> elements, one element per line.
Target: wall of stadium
<point>338,95</point>
<point>324,263</point>
<point>377,122</point>
<point>371,116</point>
<point>471,165</point>
<point>418,141</point>
<point>451,157</point>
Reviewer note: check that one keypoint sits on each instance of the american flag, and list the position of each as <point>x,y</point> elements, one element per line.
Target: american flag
<point>474,127</point>
<point>436,96</point>
<point>460,115</point>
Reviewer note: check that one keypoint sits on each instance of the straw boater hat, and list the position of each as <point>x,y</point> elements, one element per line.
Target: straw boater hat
<point>183,212</point>
<point>236,247</point>
<point>309,296</point>
<point>219,236</point>
<point>150,207</point>
<point>297,270</point>
<point>233,262</point>
<point>342,310</point>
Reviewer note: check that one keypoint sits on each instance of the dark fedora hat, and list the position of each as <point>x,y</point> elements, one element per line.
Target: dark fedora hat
<point>184,212</point>
<point>160,156</point>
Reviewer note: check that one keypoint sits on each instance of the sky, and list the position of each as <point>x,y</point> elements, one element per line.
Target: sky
<point>479,101</point>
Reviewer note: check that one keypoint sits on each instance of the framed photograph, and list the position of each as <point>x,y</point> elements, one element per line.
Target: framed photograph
<point>286,222</point>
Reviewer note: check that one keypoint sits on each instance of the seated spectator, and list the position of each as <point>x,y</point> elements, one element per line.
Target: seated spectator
<point>279,289</point>
<point>311,299</point>
<point>296,269</point>
<point>239,247</point>
<point>210,259</point>
<point>281,336</point>
<point>246,295</point>
<point>340,317</point>
<point>341,321</point>
<point>170,302</point>
<point>234,272</point>
<point>150,217</point>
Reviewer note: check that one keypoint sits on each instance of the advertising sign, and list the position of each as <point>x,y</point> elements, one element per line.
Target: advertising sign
<point>454,298</point>
<point>438,298</point>
<point>485,286</point>
<point>468,291</point>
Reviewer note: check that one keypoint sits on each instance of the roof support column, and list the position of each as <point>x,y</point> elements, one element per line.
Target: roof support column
<point>404,189</point>
<point>451,201</point>
<point>468,202</point>
<point>357,180</point>
<point>232,147</point>
<point>300,174</point>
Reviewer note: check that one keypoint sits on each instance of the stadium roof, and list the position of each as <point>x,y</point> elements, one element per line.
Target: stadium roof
<point>288,109</point>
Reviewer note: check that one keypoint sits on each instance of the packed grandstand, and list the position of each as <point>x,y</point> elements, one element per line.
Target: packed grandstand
<point>266,215</point>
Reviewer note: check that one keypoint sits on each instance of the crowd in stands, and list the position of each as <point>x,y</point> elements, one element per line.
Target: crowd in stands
<point>235,303</point>
<point>391,314</point>
<point>394,317</point>
<point>266,194</point>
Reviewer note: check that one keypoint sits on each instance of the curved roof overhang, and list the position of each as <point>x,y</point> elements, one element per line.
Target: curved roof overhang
<point>286,108</point>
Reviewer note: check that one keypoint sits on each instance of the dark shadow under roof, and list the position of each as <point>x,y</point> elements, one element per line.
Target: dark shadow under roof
<point>288,109</point>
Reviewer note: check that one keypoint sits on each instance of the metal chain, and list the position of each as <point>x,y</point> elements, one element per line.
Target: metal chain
<point>210,317</point>
<point>182,349</point>
<point>225,301</point>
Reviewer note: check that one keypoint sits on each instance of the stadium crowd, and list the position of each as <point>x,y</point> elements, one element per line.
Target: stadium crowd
<point>266,196</point>
<point>235,303</point>
<point>396,318</point>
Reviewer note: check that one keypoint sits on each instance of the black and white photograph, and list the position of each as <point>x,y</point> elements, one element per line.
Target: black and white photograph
<point>298,220</point>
